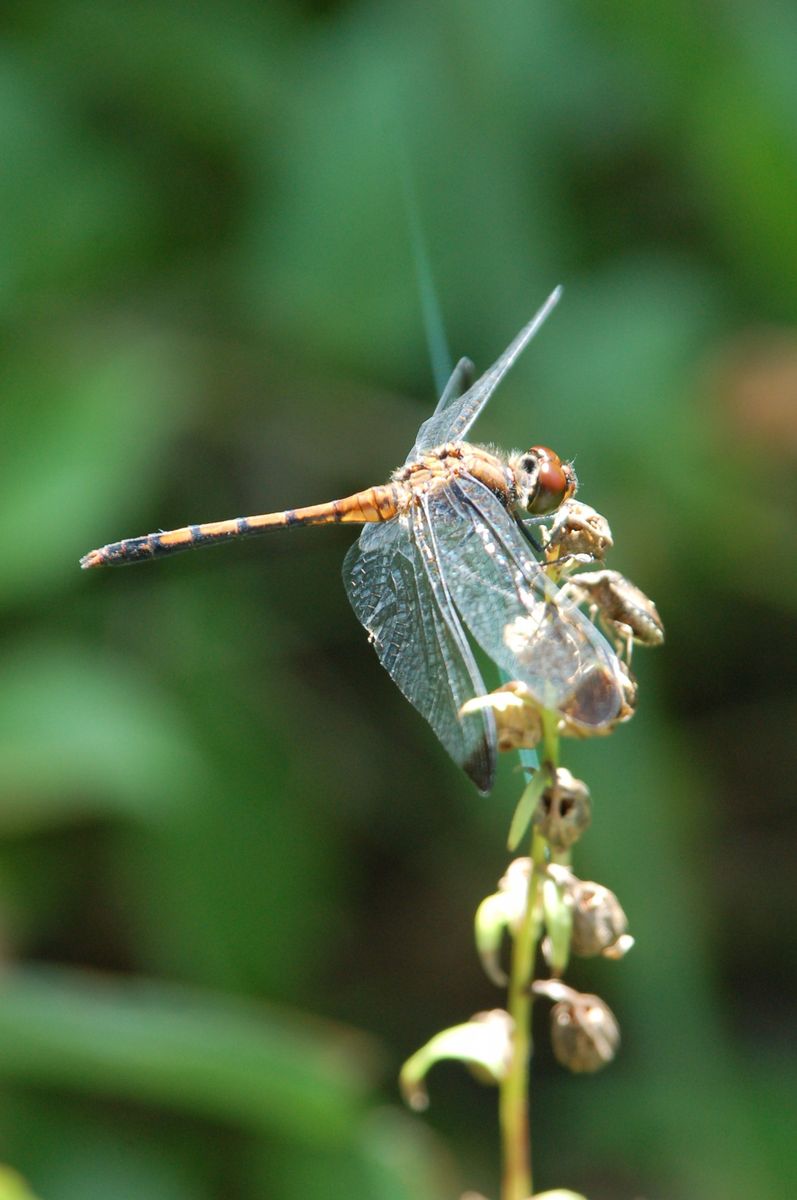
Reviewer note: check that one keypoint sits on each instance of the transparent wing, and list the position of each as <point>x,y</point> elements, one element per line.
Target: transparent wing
<point>460,380</point>
<point>455,414</point>
<point>530,629</point>
<point>397,591</point>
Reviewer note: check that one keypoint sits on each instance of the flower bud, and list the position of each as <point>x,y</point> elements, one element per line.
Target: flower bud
<point>514,886</point>
<point>484,1043</point>
<point>563,811</point>
<point>598,919</point>
<point>499,913</point>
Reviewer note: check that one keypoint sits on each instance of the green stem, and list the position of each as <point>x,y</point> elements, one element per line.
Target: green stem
<point>514,1098</point>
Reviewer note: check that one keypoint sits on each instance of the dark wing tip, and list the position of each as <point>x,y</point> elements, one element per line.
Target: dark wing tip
<point>480,767</point>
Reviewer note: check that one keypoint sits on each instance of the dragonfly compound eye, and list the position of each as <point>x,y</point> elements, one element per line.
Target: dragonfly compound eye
<point>545,479</point>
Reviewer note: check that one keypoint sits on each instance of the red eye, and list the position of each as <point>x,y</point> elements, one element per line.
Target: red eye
<point>555,481</point>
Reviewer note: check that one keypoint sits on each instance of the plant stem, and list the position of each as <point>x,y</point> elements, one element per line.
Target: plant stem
<point>514,1099</point>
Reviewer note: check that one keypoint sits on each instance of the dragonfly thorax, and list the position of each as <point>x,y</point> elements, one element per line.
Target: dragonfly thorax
<point>541,480</point>
<point>438,466</point>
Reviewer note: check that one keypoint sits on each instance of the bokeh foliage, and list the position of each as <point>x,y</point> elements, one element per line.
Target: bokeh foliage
<point>217,814</point>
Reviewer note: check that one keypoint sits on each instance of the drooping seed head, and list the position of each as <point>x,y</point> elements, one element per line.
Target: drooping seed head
<point>563,811</point>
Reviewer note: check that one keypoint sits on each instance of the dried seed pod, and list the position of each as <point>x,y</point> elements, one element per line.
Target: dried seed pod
<point>578,532</point>
<point>630,694</point>
<point>572,724</point>
<point>584,1032</point>
<point>626,613</point>
<point>598,919</point>
<point>518,722</point>
<point>563,811</point>
<point>600,690</point>
<point>518,719</point>
<point>620,947</point>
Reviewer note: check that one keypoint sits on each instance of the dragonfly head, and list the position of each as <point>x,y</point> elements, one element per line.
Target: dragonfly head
<point>543,481</point>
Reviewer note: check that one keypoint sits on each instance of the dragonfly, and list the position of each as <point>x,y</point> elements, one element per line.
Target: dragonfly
<point>445,553</point>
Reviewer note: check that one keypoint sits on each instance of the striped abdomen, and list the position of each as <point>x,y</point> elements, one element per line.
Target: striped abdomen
<point>374,504</point>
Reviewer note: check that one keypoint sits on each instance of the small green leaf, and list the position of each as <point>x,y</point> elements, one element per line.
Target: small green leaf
<point>558,925</point>
<point>525,810</point>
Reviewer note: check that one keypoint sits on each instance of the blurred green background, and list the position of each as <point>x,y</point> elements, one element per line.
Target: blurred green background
<point>218,815</point>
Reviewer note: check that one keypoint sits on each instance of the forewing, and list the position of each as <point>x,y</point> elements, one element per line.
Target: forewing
<point>452,420</point>
<point>395,587</point>
<point>460,380</point>
<point>526,625</point>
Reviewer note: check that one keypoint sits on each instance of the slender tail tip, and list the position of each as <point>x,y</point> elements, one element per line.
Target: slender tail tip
<point>94,558</point>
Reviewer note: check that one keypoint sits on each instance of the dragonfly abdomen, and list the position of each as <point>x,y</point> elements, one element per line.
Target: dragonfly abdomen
<point>373,504</point>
